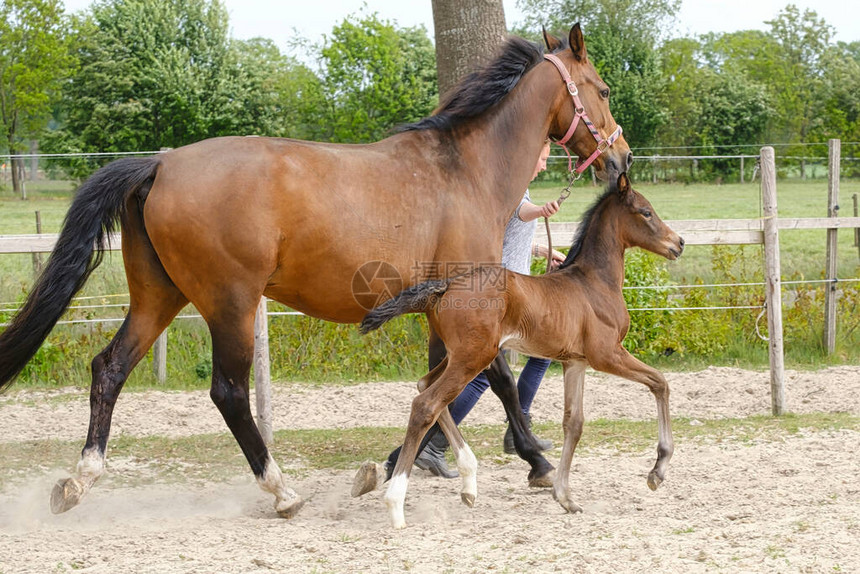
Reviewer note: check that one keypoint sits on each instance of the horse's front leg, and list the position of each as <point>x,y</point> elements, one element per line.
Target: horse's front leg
<point>574,388</point>
<point>467,464</point>
<point>625,365</point>
<point>504,385</point>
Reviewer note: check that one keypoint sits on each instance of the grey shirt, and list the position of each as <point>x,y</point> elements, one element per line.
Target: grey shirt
<point>517,246</point>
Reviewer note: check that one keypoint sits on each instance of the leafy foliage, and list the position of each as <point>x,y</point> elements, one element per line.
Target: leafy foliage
<point>375,76</point>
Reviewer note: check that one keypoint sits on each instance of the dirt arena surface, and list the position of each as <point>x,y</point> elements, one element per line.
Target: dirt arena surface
<point>785,505</point>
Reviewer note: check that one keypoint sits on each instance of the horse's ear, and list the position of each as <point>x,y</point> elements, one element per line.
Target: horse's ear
<point>624,189</point>
<point>552,43</point>
<point>577,43</point>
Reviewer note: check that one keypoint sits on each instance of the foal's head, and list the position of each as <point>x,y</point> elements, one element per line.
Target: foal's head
<point>639,225</point>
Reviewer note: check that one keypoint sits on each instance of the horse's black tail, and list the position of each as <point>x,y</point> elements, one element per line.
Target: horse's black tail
<point>416,299</point>
<point>93,215</point>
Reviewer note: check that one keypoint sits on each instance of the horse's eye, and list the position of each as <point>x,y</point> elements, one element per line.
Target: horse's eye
<point>604,94</point>
<point>646,214</point>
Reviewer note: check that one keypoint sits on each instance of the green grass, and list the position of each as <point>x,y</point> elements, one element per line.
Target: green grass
<point>213,456</point>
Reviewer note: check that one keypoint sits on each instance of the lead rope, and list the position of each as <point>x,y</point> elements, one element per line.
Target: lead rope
<point>565,193</point>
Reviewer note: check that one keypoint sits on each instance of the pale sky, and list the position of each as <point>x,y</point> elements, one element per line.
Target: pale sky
<point>311,19</point>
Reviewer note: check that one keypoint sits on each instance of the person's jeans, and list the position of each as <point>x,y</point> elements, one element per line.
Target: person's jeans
<point>527,386</point>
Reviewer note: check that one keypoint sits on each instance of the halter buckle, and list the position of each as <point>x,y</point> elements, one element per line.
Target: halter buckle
<point>572,89</point>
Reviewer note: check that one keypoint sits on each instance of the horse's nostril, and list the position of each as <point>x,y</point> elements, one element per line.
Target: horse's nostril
<point>629,159</point>
<point>681,241</point>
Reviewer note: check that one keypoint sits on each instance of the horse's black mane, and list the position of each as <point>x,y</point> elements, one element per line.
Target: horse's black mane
<point>576,246</point>
<point>484,88</point>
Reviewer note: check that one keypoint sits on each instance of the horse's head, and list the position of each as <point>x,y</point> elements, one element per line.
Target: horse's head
<point>640,225</point>
<point>582,119</point>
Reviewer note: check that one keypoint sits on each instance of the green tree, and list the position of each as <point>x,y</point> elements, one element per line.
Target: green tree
<point>154,73</point>
<point>375,76</point>
<point>622,38</point>
<point>273,94</point>
<point>34,61</point>
<point>712,106</point>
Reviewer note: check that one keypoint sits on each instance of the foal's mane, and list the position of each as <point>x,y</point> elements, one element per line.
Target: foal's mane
<point>585,223</point>
<point>486,87</point>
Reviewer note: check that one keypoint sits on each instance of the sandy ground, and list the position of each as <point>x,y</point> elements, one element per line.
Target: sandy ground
<point>790,505</point>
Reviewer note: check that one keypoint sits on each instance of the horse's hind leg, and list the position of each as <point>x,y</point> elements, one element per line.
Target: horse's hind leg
<point>232,329</point>
<point>574,387</point>
<point>154,303</point>
<point>504,385</point>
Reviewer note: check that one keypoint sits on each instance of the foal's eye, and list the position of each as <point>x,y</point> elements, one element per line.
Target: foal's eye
<point>646,214</point>
<point>604,94</point>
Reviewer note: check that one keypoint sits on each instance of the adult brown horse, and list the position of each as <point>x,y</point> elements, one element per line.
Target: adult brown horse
<point>225,221</point>
<point>576,315</point>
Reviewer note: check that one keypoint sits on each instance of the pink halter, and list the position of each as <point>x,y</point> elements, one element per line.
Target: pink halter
<point>579,112</point>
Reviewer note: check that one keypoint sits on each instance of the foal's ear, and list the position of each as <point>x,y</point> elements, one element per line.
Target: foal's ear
<point>552,43</point>
<point>624,189</point>
<point>577,43</point>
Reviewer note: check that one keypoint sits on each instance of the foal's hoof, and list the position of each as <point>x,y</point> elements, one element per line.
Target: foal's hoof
<point>653,480</point>
<point>288,510</point>
<point>366,479</point>
<point>544,481</point>
<point>67,493</point>
<point>468,499</point>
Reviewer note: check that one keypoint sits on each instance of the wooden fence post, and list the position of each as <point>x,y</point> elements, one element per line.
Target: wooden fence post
<point>856,229</point>
<point>37,257</point>
<point>773,284</point>
<point>159,357</point>
<point>834,147</point>
<point>742,169</point>
<point>262,376</point>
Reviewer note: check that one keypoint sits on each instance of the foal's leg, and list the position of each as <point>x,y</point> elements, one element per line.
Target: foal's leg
<point>574,386</point>
<point>467,464</point>
<point>426,408</point>
<point>504,385</point>
<point>232,353</point>
<point>154,303</point>
<point>626,365</point>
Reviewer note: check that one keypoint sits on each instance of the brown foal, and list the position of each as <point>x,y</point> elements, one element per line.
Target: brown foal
<point>575,315</point>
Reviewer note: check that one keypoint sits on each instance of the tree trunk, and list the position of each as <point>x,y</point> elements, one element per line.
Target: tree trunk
<point>16,165</point>
<point>468,33</point>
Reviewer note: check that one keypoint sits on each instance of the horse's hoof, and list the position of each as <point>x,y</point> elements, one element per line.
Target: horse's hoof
<point>288,511</point>
<point>653,480</point>
<point>544,481</point>
<point>570,506</point>
<point>366,479</point>
<point>468,499</point>
<point>66,494</point>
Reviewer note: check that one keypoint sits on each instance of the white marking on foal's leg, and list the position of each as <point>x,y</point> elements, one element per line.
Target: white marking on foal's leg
<point>467,464</point>
<point>395,496</point>
<point>287,502</point>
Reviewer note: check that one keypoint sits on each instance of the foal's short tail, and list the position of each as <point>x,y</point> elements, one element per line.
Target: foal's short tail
<point>93,215</point>
<point>416,299</point>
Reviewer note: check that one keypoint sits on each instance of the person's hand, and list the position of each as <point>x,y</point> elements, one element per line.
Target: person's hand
<point>557,259</point>
<point>549,209</point>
